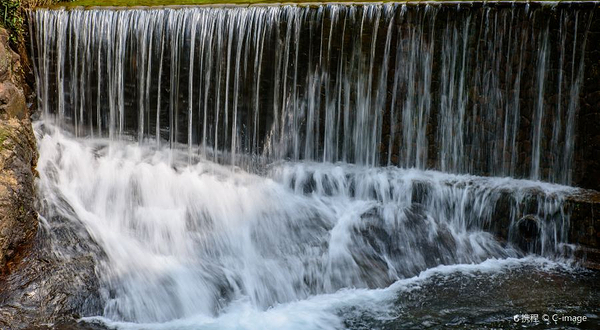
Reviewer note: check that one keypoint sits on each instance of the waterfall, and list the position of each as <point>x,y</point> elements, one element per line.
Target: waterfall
<point>254,162</point>
<point>453,88</point>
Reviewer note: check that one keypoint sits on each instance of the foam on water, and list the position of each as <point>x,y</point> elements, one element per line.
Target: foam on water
<point>328,311</point>
<point>214,245</point>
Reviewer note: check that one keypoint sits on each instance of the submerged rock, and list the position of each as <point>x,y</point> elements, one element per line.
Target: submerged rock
<point>46,289</point>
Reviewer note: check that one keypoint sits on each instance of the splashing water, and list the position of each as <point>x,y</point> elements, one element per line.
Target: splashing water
<point>184,240</point>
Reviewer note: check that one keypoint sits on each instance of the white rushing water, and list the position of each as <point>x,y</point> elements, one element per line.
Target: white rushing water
<point>203,243</point>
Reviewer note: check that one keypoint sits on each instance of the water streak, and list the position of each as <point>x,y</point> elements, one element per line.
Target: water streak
<point>452,88</point>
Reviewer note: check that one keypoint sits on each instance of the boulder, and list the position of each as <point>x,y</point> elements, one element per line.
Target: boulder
<point>18,156</point>
<point>18,218</point>
<point>10,66</point>
<point>12,101</point>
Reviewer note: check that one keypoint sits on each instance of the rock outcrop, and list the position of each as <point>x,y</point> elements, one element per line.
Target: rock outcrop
<point>37,288</point>
<point>18,156</point>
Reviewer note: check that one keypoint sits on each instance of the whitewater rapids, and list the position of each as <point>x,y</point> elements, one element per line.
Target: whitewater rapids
<point>188,243</point>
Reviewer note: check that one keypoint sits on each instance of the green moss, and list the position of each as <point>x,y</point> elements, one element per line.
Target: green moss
<point>12,19</point>
<point>130,3</point>
<point>3,136</point>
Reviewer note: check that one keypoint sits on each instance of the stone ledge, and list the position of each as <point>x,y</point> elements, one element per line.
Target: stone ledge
<point>584,229</point>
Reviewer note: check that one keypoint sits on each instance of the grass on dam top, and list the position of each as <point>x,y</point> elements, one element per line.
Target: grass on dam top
<point>132,3</point>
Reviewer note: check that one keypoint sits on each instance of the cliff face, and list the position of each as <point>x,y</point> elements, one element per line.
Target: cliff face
<point>18,156</point>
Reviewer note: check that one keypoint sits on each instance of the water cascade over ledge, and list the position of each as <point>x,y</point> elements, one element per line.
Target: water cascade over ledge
<point>237,167</point>
<point>460,89</point>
